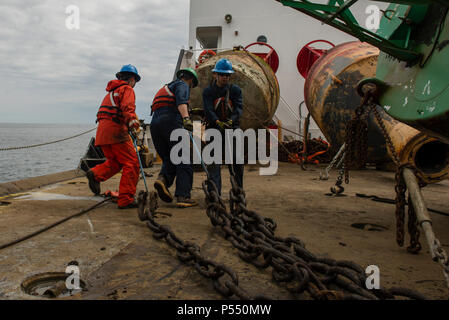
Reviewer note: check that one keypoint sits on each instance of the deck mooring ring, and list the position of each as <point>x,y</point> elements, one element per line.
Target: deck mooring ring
<point>50,285</point>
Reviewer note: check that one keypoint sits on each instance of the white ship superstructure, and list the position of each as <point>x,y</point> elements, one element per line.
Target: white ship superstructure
<point>225,24</point>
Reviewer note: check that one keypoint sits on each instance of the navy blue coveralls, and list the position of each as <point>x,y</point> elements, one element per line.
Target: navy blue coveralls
<point>165,120</point>
<point>218,111</point>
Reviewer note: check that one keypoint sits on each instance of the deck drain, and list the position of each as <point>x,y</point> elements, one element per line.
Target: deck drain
<point>50,285</point>
<point>4,203</point>
<point>369,226</point>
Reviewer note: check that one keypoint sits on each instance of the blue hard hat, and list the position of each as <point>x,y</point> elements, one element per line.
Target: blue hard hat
<point>129,68</point>
<point>223,66</point>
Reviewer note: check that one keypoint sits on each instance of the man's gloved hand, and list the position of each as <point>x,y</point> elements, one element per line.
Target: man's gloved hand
<point>134,132</point>
<point>187,123</point>
<point>134,124</point>
<point>222,125</point>
<point>134,128</point>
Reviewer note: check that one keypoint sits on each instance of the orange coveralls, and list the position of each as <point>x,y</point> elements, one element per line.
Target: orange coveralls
<point>114,140</point>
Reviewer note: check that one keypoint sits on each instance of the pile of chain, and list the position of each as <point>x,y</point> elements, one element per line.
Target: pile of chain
<point>296,147</point>
<point>292,264</point>
<point>289,148</point>
<point>355,157</point>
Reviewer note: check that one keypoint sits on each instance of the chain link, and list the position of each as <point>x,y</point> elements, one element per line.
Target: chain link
<point>415,245</point>
<point>338,189</point>
<point>357,136</point>
<point>356,144</point>
<point>293,266</point>
<point>340,155</point>
<point>401,189</point>
<point>356,156</point>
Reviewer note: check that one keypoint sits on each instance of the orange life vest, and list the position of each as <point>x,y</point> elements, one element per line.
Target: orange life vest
<point>164,98</point>
<point>109,109</point>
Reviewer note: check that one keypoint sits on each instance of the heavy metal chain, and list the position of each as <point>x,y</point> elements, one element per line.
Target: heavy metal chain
<point>388,140</point>
<point>291,156</point>
<point>225,280</point>
<point>356,156</point>
<point>338,189</point>
<point>400,188</point>
<point>357,137</point>
<point>413,230</point>
<point>356,144</point>
<point>254,236</point>
<point>292,264</point>
<point>340,155</point>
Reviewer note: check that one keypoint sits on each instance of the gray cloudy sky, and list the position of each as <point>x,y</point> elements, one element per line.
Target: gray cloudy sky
<point>55,75</point>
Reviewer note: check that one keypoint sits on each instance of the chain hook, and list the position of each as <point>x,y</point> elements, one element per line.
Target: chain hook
<point>337,190</point>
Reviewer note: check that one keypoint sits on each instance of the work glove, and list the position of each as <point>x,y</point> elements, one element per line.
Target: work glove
<point>134,124</point>
<point>229,124</point>
<point>187,123</point>
<point>134,128</point>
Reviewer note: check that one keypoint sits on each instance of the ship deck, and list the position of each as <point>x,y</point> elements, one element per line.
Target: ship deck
<point>119,258</point>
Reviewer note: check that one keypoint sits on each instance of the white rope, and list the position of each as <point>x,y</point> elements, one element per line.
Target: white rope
<point>289,108</point>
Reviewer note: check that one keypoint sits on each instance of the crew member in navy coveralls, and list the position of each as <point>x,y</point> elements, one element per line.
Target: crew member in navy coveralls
<point>170,112</point>
<point>223,109</point>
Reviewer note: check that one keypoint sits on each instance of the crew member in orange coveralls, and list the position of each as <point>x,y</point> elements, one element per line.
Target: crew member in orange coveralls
<point>115,118</point>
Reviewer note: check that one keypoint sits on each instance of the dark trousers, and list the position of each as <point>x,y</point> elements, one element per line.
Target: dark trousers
<point>215,174</point>
<point>164,121</point>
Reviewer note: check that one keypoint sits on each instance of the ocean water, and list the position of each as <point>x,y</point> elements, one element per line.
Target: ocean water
<point>38,161</point>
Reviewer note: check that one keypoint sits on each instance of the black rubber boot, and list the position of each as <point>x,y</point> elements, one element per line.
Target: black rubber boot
<point>94,185</point>
<point>161,187</point>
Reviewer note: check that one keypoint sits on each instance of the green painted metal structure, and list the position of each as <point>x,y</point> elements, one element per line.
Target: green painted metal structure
<point>413,67</point>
